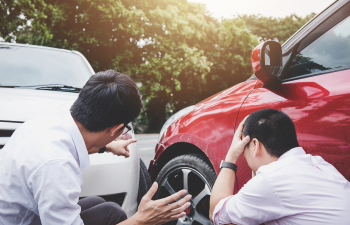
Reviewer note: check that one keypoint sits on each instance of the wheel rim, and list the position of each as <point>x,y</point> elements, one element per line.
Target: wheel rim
<point>191,180</point>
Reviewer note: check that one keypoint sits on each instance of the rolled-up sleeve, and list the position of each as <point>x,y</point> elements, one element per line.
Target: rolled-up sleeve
<point>255,203</point>
<point>56,187</point>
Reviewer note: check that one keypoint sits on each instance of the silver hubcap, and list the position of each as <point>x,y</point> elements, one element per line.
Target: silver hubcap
<point>196,185</point>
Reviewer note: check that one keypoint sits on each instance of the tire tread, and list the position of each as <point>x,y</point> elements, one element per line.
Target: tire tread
<point>196,161</point>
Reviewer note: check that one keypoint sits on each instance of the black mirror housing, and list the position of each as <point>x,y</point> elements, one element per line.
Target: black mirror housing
<point>266,62</point>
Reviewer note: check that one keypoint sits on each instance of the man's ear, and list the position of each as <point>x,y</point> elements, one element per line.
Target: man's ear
<point>257,149</point>
<point>115,129</point>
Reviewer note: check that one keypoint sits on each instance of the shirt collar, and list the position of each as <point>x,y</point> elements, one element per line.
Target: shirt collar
<point>80,147</point>
<point>298,151</point>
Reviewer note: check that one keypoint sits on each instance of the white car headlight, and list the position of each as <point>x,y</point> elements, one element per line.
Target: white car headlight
<point>175,117</point>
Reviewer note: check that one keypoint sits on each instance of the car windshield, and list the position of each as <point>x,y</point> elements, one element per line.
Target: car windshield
<point>31,66</point>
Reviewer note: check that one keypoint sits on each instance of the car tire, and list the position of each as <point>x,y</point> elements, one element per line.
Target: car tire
<point>144,182</point>
<point>200,180</point>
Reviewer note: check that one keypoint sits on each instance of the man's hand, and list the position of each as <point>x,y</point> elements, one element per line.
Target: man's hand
<point>120,147</point>
<point>162,210</point>
<point>238,144</point>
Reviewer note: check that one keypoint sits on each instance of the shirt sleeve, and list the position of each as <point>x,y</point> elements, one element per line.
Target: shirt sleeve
<point>56,188</point>
<point>255,203</point>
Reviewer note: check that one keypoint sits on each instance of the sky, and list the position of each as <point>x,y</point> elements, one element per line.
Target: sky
<point>274,8</point>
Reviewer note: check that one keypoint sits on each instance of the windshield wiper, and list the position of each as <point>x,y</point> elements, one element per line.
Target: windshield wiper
<point>51,87</point>
<point>58,88</point>
<point>7,86</point>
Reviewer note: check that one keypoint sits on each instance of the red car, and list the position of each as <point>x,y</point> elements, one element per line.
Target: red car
<point>308,78</point>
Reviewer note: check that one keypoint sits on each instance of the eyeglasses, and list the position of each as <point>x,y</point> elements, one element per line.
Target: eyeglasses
<point>127,128</point>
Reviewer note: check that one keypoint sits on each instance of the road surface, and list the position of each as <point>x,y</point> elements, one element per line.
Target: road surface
<point>146,144</point>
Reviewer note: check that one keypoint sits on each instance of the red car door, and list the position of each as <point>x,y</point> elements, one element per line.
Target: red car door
<point>315,93</point>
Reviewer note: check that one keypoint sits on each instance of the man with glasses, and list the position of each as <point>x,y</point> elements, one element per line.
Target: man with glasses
<point>40,166</point>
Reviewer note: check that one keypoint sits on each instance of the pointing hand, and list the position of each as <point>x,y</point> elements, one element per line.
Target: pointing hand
<point>120,147</point>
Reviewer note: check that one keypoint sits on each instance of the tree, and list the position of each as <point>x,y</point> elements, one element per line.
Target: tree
<point>17,14</point>
<point>230,57</point>
<point>269,28</point>
<point>105,31</point>
<point>173,61</point>
<point>177,52</point>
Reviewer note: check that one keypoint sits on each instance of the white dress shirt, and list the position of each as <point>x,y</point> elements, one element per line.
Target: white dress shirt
<point>296,189</point>
<point>40,177</point>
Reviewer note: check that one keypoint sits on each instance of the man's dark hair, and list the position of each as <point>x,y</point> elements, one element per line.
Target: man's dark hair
<point>274,129</point>
<point>108,98</point>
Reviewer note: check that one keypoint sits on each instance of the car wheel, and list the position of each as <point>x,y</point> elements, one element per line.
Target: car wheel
<point>194,173</point>
<point>144,181</point>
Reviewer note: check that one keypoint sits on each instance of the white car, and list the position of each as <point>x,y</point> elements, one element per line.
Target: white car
<point>37,81</point>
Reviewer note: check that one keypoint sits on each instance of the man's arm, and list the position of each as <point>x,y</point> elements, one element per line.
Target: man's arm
<point>224,184</point>
<point>223,188</point>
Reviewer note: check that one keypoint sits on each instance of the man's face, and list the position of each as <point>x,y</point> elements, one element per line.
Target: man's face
<point>110,134</point>
<point>256,155</point>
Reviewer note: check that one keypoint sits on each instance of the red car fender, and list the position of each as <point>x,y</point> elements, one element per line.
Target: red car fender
<point>197,128</point>
<point>188,138</point>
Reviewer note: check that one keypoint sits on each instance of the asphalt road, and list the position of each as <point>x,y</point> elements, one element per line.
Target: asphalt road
<point>146,144</point>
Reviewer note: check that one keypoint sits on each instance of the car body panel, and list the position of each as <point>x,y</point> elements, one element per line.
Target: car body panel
<point>117,170</point>
<point>196,127</point>
<point>19,104</point>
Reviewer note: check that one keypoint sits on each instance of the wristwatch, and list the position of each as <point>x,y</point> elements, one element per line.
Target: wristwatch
<point>232,166</point>
<point>102,150</point>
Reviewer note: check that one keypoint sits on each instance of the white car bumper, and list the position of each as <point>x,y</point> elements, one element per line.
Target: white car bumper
<point>109,174</point>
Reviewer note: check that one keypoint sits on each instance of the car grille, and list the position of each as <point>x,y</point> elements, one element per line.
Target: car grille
<point>117,198</point>
<point>4,134</point>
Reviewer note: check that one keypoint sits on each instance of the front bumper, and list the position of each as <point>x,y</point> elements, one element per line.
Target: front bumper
<point>109,174</point>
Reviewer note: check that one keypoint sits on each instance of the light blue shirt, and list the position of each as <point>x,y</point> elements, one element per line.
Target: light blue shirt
<point>40,172</point>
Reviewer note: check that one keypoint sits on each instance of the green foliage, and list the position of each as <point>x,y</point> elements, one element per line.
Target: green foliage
<point>15,14</point>
<point>105,31</point>
<point>174,62</point>
<point>269,28</point>
<point>231,57</point>
<point>174,48</point>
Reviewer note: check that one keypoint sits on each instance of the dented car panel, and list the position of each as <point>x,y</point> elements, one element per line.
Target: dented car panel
<point>219,112</point>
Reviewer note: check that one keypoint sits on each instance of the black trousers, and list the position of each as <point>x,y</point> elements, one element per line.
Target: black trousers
<point>96,211</point>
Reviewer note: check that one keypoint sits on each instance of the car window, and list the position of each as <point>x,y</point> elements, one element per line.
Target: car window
<point>27,66</point>
<point>329,51</point>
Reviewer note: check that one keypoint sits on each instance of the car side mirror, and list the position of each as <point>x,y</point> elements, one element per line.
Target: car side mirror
<point>266,61</point>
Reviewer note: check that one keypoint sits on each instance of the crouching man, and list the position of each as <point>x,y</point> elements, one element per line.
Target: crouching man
<point>40,166</point>
<point>290,186</point>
